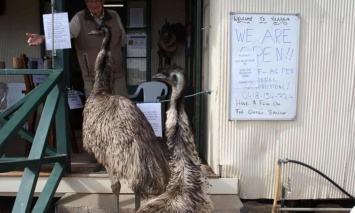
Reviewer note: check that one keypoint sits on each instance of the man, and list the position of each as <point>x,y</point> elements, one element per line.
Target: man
<point>87,46</point>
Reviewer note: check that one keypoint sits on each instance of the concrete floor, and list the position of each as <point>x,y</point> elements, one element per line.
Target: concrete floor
<point>105,203</point>
<point>94,203</point>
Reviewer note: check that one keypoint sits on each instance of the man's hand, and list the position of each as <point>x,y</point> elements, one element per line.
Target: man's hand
<point>34,39</point>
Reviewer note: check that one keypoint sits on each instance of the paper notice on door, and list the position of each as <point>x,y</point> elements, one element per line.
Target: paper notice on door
<point>61,31</point>
<point>152,112</point>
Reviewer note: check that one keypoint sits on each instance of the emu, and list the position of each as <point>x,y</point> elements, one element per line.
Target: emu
<point>118,134</point>
<point>187,188</point>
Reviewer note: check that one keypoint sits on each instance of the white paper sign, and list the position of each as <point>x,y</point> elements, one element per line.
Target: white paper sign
<point>137,45</point>
<point>246,70</point>
<point>136,17</point>
<point>38,79</point>
<point>152,112</point>
<point>61,31</point>
<point>74,100</point>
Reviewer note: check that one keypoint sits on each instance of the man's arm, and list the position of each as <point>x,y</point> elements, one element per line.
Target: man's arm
<point>124,36</point>
<point>74,26</point>
<point>34,39</point>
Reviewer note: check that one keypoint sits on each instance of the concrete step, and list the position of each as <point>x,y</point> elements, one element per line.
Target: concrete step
<point>105,203</point>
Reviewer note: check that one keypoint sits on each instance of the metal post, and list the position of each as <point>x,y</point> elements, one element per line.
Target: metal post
<point>198,75</point>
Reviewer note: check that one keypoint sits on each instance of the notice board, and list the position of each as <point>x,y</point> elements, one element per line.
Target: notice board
<point>264,66</point>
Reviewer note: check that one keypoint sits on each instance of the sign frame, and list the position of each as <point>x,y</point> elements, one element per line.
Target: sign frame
<point>275,40</point>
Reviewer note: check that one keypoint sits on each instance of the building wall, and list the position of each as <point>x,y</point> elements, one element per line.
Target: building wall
<point>21,17</point>
<point>173,12</point>
<point>322,134</point>
<point>209,82</point>
<point>18,19</point>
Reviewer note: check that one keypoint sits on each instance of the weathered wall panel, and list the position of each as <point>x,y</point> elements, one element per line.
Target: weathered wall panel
<point>322,134</point>
<point>18,19</point>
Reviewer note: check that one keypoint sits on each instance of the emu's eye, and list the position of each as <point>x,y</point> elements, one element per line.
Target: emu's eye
<point>174,77</point>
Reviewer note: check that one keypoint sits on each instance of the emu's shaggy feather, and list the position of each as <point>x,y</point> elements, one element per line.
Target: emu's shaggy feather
<point>187,188</point>
<point>118,134</point>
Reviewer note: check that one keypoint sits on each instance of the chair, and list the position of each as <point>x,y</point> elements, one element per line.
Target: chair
<point>153,91</point>
<point>15,93</point>
<point>10,93</point>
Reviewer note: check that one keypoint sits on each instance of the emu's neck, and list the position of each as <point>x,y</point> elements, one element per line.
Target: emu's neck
<point>177,100</point>
<point>180,140</point>
<point>106,41</point>
<point>177,96</point>
<point>104,68</point>
<point>176,119</point>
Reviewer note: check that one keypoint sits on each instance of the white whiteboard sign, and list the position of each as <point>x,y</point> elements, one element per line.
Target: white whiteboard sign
<point>271,92</point>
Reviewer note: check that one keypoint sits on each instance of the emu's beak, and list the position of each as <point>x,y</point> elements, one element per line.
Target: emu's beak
<point>94,32</point>
<point>161,75</point>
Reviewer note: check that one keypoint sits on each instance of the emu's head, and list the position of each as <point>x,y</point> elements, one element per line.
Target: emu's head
<point>174,76</point>
<point>101,30</point>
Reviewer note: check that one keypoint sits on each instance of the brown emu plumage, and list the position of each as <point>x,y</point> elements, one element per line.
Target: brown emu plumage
<point>118,134</point>
<point>187,188</point>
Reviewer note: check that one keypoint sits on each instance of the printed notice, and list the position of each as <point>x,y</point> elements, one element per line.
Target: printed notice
<point>246,70</point>
<point>74,100</point>
<point>137,45</point>
<point>136,17</point>
<point>152,112</point>
<point>38,79</point>
<point>61,31</point>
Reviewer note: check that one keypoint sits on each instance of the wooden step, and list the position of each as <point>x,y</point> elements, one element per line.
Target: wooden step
<point>105,203</point>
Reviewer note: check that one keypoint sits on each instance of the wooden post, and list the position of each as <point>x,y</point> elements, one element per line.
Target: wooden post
<point>277,186</point>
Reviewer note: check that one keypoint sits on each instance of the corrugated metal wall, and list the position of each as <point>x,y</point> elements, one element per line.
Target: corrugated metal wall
<point>322,134</point>
<point>206,81</point>
<point>19,18</point>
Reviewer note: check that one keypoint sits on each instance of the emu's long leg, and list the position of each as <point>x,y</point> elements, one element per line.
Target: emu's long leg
<point>137,200</point>
<point>115,188</point>
<point>117,196</point>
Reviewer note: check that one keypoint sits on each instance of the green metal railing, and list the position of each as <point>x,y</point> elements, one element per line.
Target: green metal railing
<point>52,94</point>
